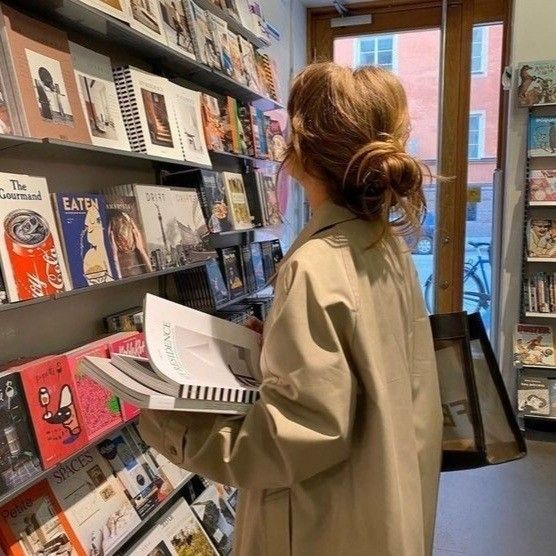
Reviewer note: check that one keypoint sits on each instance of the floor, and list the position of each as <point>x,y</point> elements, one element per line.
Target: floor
<point>509,510</point>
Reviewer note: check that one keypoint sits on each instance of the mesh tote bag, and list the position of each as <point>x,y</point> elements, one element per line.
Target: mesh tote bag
<point>480,427</point>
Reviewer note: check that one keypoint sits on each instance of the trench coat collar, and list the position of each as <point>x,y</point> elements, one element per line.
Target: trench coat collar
<point>326,216</point>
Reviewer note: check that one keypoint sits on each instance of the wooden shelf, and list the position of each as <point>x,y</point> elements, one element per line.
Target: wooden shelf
<point>7,496</point>
<point>94,23</point>
<point>79,291</point>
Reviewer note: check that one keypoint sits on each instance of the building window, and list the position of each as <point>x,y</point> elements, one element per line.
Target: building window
<point>471,212</point>
<point>376,51</point>
<point>476,135</point>
<point>479,50</point>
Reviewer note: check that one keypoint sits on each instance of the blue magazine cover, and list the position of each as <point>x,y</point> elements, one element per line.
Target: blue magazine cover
<point>542,136</point>
<point>83,222</point>
<point>258,268</point>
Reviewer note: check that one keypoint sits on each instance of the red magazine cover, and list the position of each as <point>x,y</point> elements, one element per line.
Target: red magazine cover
<point>132,344</point>
<point>103,408</point>
<point>33,523</point>
<point>53,405</point>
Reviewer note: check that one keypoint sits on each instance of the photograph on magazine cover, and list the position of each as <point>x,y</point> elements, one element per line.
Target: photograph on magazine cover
<point>157,118</point>
<point>50,89</point>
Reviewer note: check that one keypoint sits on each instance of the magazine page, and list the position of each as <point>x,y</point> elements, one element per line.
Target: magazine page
<point>534,345</point>
<point>116,8</point>
<point>190,347</point>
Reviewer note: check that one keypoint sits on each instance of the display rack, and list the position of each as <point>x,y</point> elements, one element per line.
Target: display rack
<point>529,317</point>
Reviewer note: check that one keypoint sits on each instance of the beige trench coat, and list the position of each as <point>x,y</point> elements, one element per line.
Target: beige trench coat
<point>341,455</point>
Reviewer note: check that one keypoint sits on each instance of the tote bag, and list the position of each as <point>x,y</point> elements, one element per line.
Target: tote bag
<point>480,427</point>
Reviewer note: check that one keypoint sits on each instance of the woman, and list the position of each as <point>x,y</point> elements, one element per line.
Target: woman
<point>342,453</point>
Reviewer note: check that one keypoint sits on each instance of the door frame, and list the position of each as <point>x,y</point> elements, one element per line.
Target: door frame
<point>457,19</point>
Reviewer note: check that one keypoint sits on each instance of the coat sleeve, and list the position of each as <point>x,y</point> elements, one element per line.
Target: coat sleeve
<point>303,421</point>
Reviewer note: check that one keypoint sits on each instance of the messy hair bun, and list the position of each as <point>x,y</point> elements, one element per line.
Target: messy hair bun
<point>349,129</point>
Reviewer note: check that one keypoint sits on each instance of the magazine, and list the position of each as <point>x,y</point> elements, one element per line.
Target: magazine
<point>533,396</point>
<point>196,362</point>
<point>534,345</point>
<point>537,83</point>
<point>542,136</point>
<point>541,238</point>
<point>542,186</point>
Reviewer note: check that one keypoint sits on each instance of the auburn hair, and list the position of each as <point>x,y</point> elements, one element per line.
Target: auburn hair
<point>349,129</point>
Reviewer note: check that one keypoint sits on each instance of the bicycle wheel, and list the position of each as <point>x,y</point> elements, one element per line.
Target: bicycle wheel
<point>473,293</point>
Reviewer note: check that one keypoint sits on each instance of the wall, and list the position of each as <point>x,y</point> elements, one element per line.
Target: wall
<point>533,39</point>
<point>55,326</point>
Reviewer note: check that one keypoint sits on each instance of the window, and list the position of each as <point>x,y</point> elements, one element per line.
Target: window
<point>471,212</point>
<point>476,135</point>
<point>479,50</point>
<point>375,51</point>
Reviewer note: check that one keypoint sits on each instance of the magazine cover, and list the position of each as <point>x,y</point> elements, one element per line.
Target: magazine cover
<point>176,27</point>
<point>216,123</point>
<point>217,284</point>
<point>54,408</point>
<point>204,42</point>
<point>258,125</point>
<point>238,71</point>
<point>189,120</point>
<point>542,136</point>
<point>41,72</point>
<point>542,186</point>
<point>190,230</point>
<point>115,8</point>
<point>272,205</point>
<point>219,30</point>
<point>157,220</point>
<point>33,524</point>
<point>238,136</point>
<point>19,461</point>
<point>245,15</point>
<point>216,517</point>
<point>268,260</point>
<point>237,201</point>
<point>277,254</point>
<point>83,223</point>
<point>99,99</point>
<point>211,188</point>
<point>244,116</point>
<point>534,345</point>
<point>533,396</point>
<point>248,270</point>
<point>230,7</point>
<point>249,65</point>
<point>277,144</point>
<point>231,265</point>
<point>537,84</point>
<point>541,238</point>
<point>31,254</point>
<point>102,411</point>
<point>174,474</point>
<point>9,121</point>
<point>126,236</point>
<point>144,16</point>
<point>143,487</point>
<point>93,502</point>
<point>258,268</point>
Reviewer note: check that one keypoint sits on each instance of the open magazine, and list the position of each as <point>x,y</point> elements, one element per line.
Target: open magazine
<point>196,362</point>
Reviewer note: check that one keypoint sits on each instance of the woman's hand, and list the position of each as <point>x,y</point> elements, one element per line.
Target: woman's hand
<point>255,325</point>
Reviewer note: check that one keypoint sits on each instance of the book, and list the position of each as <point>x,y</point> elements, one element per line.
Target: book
<point>9,119</point>
<point>219,30</point>
<point>232,270</point>
<point>143,487</point>
<point>34,524</point>
<point>245,16</point>
<point>244,116</point>
<point>534,345</point>
<point>203,287</point>
<point>533,397</point>
<point>216,517</point>
<point>189,119</point>
<point>268,260</point>
<point>149,117</point>
<point>552,395</point>
<point>542,186</point>
<point>115,8</point>
<point>238,70</point>
<point>205,49</point>
<point>230,8</point>
<point>123,321</point>
<point>40,69</point>
<point>54,408</point>
<point>99,100</point>
<point>259,133</point>
<point>259,22</point>
<point>248,269</point>
<point>190,229</point>
<point>102,411</point>
<point>174,475</point>
<point>277,253</point>
<point>157,220</point>
<point>144,16</point>
<point>237,201</point>
<point>258,267</point>
<point>83,224</point>
<point>272,204</point>
<point>31,254</point>
<point>541,238</point>
<point>207,364</point>
<point>249,65</point>
<point>542,136</point>
<point>126,236</point>
<point>277,145</point>
<point>93,502</point>
<point>216,123</point>
<point>176,27</point>
<point>19,461</point>
<point>537,83</point>
<point>238,141</point>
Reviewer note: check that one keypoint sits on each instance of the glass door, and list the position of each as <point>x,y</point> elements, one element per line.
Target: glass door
<point>414,56</point>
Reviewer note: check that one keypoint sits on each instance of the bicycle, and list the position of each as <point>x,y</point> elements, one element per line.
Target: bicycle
<point>476,286</point>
